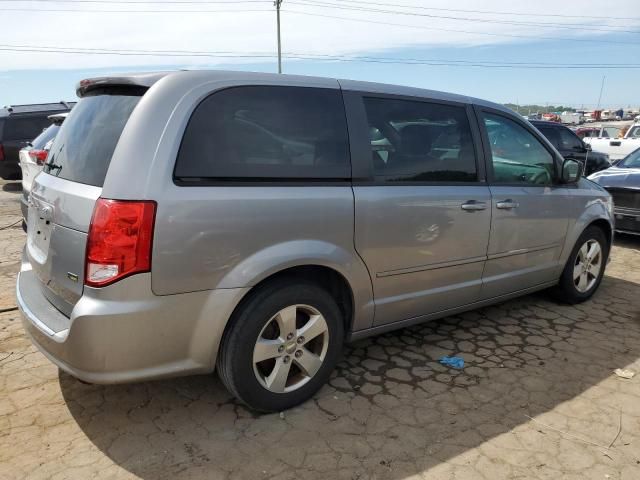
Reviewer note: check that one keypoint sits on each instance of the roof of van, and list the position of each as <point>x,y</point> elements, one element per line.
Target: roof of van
<point>147,79</point>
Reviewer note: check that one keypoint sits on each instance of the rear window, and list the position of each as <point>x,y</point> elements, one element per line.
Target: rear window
<point>86,140</point>
<point>24,128</point>
<point>266,132</point>
<point>42,139</point>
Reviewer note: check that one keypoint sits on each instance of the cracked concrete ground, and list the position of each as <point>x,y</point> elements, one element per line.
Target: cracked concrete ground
<point>537,399</point>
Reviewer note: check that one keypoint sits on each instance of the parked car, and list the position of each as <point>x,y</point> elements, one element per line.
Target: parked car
<point>604,131</point>
<point>571,146</point>
<point>617,148</point>
<point>622,181</point>
<point>19,125</point>
<point>252,223</point>
<point>34,156</point>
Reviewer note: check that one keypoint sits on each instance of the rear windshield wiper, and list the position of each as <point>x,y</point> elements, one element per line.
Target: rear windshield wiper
<point>53,166</point>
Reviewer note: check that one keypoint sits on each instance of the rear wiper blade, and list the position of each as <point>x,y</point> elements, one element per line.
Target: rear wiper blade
<point>53,166</point>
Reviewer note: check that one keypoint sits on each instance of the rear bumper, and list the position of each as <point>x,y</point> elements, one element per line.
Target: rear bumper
<point>24,205</point>
<point>125,333</point>
<point>10,170</point>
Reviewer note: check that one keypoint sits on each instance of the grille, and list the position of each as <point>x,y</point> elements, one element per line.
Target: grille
<point>625,198</point>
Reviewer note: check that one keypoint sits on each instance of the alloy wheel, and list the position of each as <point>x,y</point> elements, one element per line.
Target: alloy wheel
<point>291,348</point>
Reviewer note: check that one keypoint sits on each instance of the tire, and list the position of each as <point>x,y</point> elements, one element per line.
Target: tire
<point>263,318</point>
<point>571,289</point>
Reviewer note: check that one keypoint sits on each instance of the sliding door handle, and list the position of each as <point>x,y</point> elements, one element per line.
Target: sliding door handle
<point>507,204</point>
<point>473,206</point>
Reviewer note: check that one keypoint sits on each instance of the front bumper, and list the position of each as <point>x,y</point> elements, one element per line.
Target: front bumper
<point>627,220</point>
<point>125,333</point>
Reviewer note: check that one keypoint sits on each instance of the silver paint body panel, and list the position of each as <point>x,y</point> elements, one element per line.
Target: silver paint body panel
<point>408,253</point>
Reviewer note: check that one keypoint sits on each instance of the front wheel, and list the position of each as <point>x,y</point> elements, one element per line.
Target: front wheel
<point>585,268</point>
<point>281,345</point>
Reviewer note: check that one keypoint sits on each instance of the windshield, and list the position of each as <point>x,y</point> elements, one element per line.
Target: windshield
<point>632,160</point>
<point>86,141</point>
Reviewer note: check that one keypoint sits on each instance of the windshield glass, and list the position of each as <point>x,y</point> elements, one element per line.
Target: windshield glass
<point>86,141</point>
<point>632,160</point>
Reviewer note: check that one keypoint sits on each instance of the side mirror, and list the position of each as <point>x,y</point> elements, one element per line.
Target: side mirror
<point>571,171</point>
<point>587,146</point>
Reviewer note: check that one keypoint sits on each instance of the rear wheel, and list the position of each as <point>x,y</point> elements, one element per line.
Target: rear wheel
<point>584,270</point>
<point>281,345</point>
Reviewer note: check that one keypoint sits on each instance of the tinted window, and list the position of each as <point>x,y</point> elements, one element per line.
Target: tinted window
<point>25,128</point>
<point>266,132</point>
<point>85,143</point>
<point>42,139</point>
<point>517,155</point>
<point>569,140</point>
<point>419,141</point>
<point>552,135</point>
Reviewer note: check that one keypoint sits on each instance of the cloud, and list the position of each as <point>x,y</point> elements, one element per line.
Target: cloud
<point>242,29</point>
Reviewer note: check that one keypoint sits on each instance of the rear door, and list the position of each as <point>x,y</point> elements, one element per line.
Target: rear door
<point>529,209</point>
<point>63,196</point>
<point>422,207</point>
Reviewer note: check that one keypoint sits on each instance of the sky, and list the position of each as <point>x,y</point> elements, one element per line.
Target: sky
<point>479,48</point>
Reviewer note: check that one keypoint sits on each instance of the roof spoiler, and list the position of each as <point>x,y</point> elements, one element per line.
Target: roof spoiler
<point>143,80</point>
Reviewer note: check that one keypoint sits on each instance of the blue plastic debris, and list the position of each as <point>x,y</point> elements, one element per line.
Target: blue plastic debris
<point>454,362</point>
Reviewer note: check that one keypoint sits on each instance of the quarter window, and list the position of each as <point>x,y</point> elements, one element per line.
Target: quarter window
<point>420,142</point>
<point>258,132</point>
<point>517,155</point>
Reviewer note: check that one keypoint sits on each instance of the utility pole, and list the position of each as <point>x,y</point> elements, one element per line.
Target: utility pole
<point>601,88</point>
<point>277,4</point>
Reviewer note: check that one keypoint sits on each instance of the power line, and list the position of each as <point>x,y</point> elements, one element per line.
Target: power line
<point>324,4</point>
<point>471,32</point>
<point>310,56</point>
<point>491,12</point>
<point>142,2</point>
<point>32,10</point>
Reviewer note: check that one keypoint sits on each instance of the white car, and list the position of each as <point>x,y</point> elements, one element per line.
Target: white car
<point>617,148</point>
<point>33,157</point>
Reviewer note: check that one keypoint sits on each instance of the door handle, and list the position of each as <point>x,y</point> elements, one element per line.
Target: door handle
<point>473,206</point>
<point>507,204</point>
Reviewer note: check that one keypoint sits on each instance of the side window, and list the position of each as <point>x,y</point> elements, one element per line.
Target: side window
<point>517,155</point>
<point>266,132</point>
<point>552,135</point>
<point>569,140</point>
<point>420,142</point>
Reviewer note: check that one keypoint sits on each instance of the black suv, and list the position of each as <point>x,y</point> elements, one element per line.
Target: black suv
<point>19,124</point>
<point>571,146</point>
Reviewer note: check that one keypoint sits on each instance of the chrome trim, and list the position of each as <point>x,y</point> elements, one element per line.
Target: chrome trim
<point>507,204</point>
<point>473,206</point>
<point>628,232</point>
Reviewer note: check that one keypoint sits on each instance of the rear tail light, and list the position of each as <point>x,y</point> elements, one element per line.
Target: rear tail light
<point>1,153</point>
<point>119,242</point>
<point>38,156</point>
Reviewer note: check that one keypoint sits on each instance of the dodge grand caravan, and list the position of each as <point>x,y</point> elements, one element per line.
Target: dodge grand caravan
<point>188,222</point>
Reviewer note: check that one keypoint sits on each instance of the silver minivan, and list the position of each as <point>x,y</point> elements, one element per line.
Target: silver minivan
<point>194,221</point>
